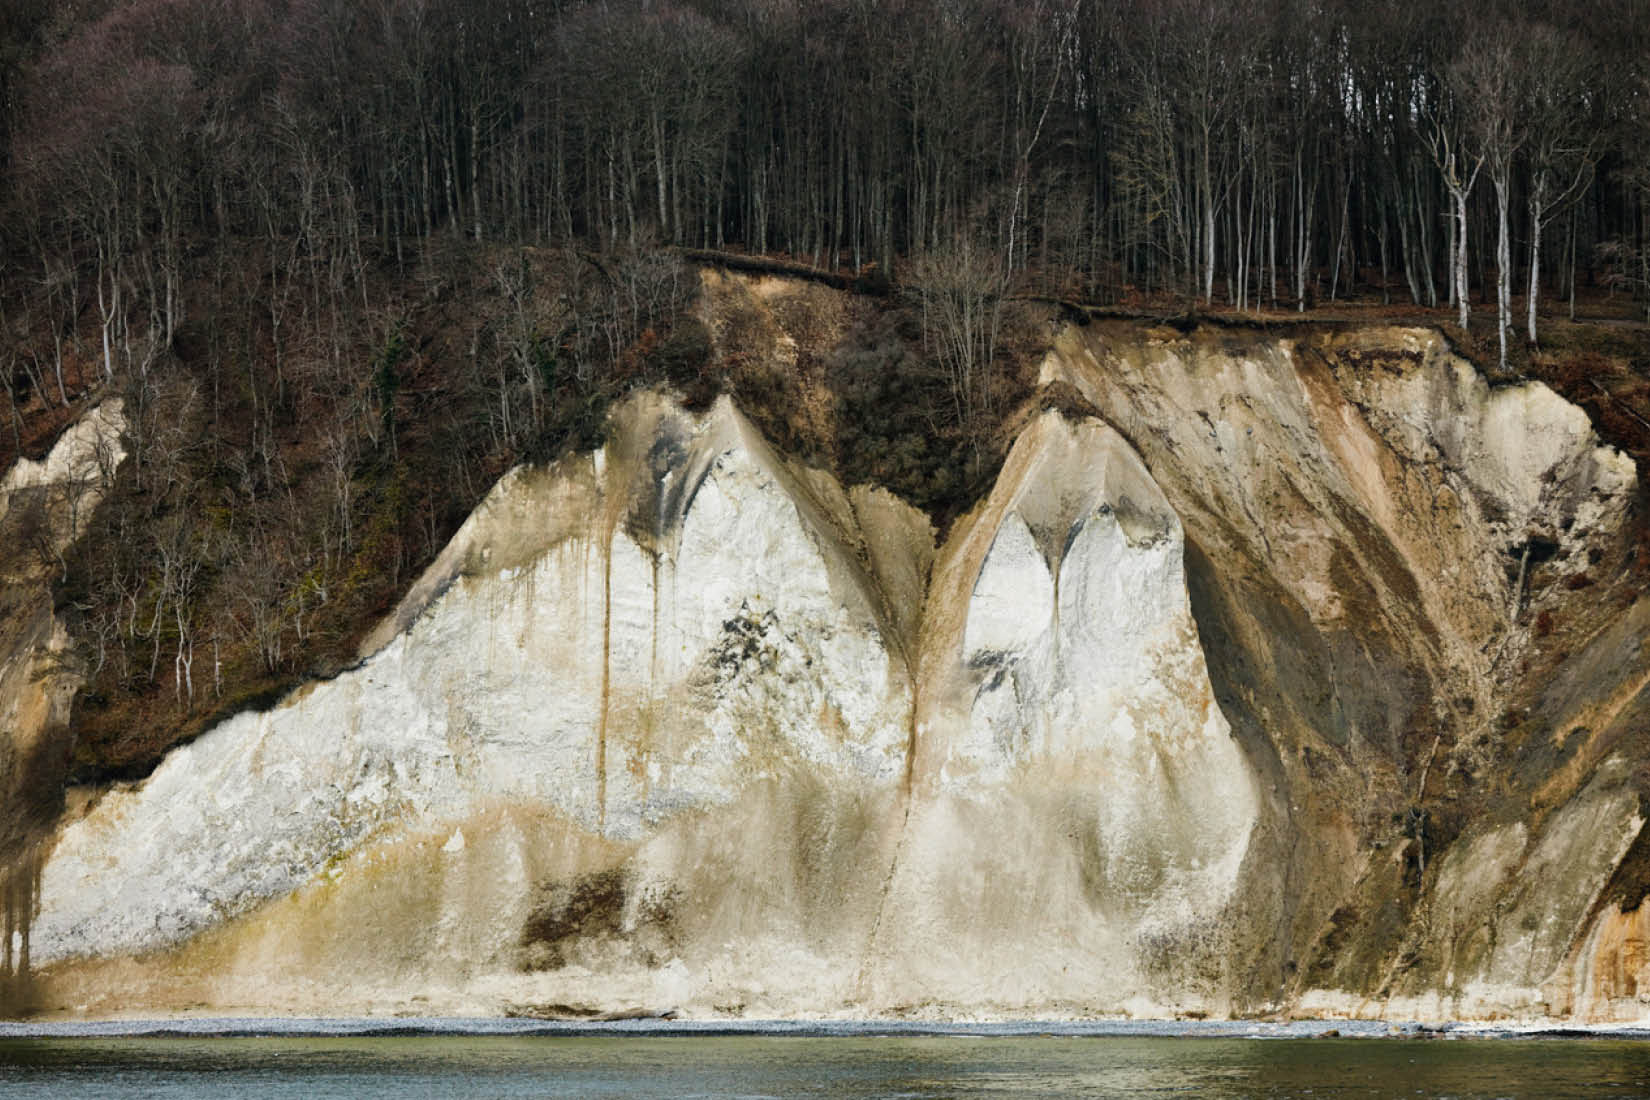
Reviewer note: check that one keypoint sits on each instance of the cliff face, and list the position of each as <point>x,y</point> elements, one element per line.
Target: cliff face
<point>1274,674</point>
<point>1414,603</point>
<point>43,506</point>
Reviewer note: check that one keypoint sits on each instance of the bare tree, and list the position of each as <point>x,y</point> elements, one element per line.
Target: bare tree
<point>1458,165</point>
<point>960,292</point>
<point>1486,82</point>
<point>1562,138</point>
<point>1638,174</point>
<point>1040,49</point>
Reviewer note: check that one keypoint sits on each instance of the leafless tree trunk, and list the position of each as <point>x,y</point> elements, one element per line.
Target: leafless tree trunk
<point>960,292</point>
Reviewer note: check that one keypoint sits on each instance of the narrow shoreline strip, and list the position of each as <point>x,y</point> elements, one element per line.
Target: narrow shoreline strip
<point>506,1027</point>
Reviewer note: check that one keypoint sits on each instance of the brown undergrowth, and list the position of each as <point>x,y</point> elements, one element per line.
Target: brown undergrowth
<point>282,494</point>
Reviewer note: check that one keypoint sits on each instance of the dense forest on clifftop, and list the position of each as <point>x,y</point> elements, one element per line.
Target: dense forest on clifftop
<point>1270,150</point>
<point>347,262</point>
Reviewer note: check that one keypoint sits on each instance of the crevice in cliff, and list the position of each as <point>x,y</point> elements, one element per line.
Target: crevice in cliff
<point>908,645</point>
<point>907,796</point>
<point>639,766</point>
<point>868,960</point>
<point>607,681</point>
<point>19,898</point>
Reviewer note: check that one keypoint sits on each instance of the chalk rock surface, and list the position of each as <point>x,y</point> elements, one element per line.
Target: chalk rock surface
<point>1414,595</point>
<point>1296,672</point>
<point>669,696</point>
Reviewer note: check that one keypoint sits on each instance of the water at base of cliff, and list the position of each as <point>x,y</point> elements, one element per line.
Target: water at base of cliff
<point>630,1065</point>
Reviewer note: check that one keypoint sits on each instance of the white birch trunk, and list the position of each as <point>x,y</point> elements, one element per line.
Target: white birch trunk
<point>1535,272</point>
<point>1459,277</point>
<point>1503,271</point>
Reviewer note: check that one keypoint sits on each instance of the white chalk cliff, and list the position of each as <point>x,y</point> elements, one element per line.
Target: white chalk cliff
<point>682,724</point>
<point>679,680</point>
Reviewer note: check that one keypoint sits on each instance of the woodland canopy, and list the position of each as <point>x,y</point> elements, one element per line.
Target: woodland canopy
<point>1241,150</point>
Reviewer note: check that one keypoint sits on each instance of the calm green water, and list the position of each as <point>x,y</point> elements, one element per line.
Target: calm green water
<point>745,1066</point>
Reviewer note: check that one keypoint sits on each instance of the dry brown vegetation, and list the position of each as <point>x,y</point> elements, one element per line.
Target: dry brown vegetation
<point>269,516</point>
<point>279,497</point>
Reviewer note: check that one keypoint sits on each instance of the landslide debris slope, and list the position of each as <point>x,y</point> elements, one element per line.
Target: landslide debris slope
<point>1272,673</point>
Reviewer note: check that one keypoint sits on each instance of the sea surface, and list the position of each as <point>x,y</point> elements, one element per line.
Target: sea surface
<point>781,1061</point>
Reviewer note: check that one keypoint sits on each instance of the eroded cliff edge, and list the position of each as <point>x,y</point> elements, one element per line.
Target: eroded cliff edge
<point>1293,673</point>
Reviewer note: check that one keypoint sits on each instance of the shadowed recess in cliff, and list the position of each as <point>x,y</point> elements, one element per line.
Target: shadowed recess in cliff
<point>19,897</point>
